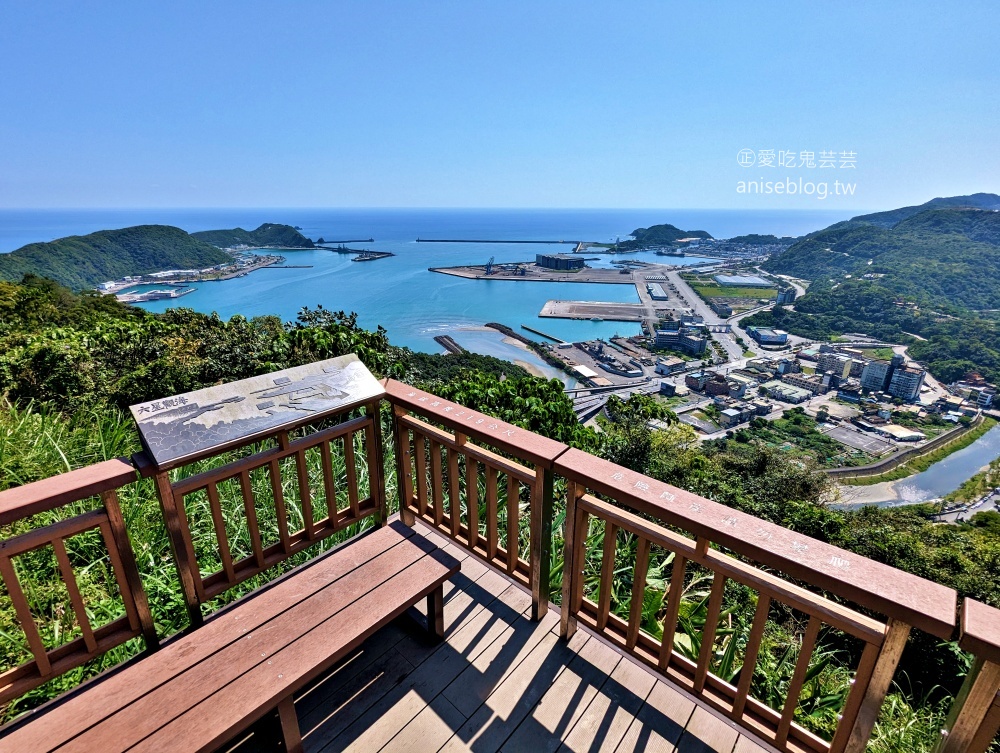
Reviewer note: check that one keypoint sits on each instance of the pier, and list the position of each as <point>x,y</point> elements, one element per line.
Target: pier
<point>594,310</point>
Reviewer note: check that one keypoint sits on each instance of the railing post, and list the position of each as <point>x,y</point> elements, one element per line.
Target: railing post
<point>892,648</point>
<point>541,541</point>
<point>376,475</point>
<point>975,714</point>
<point>567,619</point>
<point>404,468</point>
<point>126,556</point>
<point>184,557</point>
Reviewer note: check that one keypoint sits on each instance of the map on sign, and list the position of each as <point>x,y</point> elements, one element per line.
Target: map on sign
<point>186,426</point>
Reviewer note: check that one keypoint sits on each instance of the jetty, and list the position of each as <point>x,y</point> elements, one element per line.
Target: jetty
<point>372,255</point>
<point>473,240</point>
<point>449,344</point>
<point>543,334</point>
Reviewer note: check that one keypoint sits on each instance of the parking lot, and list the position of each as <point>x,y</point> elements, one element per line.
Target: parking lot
<point>859,441</point>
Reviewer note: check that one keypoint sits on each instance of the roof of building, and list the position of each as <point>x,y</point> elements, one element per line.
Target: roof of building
<point>901,432</point>
<point>747,280</point>
<point>785,388</point>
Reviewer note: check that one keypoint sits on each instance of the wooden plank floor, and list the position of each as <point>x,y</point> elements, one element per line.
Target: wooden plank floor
<point>500,682</point>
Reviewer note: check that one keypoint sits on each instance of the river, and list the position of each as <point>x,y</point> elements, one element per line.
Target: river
<point>941,478</point>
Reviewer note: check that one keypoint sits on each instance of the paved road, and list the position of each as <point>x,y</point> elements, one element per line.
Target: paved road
<point>694,302</point>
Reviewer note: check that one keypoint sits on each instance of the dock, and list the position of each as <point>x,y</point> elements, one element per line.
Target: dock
<point>153,295</point>
<point>594,310</point>
<point>530,272</point>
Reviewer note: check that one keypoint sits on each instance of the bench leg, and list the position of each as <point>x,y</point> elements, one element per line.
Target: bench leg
<point>289,726</point>
<point>278,730</point>
<point>435,612</point>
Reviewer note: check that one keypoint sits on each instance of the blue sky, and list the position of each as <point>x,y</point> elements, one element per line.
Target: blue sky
<point>485,104</point>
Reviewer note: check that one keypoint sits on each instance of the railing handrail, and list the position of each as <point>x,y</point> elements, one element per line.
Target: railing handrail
<point>49,493</point>
<point>882,588</point>
<point>506,437</point>
<point>980,630</point>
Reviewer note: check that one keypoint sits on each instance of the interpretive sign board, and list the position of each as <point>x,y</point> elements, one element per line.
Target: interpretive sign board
<point>185,427</point>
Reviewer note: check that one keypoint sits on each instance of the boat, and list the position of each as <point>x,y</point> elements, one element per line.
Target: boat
<point>596,319</point>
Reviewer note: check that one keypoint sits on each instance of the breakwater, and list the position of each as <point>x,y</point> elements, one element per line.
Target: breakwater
<point>467,240</point>
<point>449,344</point>
<point>538,349</point>
<point>547,336</point>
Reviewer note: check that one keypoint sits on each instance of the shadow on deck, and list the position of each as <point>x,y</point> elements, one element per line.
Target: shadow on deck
<point>501,682</point>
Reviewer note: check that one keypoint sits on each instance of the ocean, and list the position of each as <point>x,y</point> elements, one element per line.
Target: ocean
<point>399,293</point>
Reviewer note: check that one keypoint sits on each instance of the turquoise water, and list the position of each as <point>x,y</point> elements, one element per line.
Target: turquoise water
<point>399,293</point>
<point>414,305</point>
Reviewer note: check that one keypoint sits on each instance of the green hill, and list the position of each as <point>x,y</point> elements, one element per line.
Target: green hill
<point>663,234</point>
<point>82,261</point>
<point>268,235</point>
<point>755,239</point>
<point>890,218</point>
<point>930,272</point>
<point>938,256</point>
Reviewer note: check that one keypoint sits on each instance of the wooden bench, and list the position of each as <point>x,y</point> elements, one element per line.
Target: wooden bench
<point>234,669</point>
<point>206,687</point>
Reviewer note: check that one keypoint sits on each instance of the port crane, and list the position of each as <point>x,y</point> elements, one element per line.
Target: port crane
<point>489,266</point>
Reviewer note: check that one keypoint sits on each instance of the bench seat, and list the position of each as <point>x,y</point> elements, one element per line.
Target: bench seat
<point>202,689</point>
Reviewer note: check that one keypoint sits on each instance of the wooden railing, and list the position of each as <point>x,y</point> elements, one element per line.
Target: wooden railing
<point>975,715</point>
<point>101,480</point>
<point>439,482</point>
<point>488,486</point>
<point>709,529</point>
<point>300,508</point>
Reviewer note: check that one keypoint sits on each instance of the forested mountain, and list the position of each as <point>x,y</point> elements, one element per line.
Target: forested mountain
<point>268,235</point>
<point>890,218</point>
<point>931,271</point>
<point>939,256</point>
<point>756,239</point>
<point>83,261</point>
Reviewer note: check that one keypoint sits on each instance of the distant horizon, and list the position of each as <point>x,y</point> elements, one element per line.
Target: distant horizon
<point>250,207</point>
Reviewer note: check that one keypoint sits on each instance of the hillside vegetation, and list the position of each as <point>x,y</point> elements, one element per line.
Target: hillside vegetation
<point>268,235</point>
<point>83,261</point>
<point>973,201</point>
<point>931,271</point>
<point>660,235</point>
<point>938,256</point>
